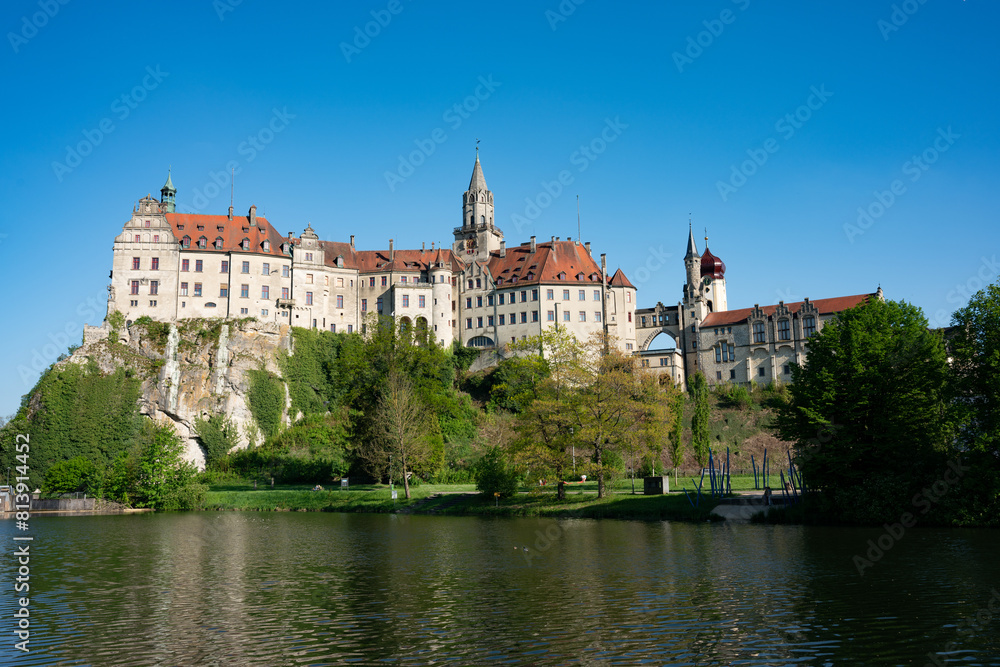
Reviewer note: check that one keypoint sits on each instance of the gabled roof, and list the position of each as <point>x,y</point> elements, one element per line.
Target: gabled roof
<point>377,261</point>
<point>232,234</point>
<point>619,280</point>
<point>823,306</point>
<point>545,264</point>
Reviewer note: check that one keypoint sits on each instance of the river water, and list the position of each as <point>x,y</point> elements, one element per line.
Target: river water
<point>330,589</point>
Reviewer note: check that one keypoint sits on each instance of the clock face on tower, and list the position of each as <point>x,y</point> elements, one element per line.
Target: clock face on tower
<point>707,280</point>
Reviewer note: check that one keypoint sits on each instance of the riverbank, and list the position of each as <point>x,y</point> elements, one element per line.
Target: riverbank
<point>462,500</point>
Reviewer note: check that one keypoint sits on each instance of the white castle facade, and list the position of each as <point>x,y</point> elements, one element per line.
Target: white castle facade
<point>171,266</point>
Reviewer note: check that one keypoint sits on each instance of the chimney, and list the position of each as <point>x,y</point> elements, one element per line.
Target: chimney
<point>553,239</point>
<point>503,248</point>
<point>253,215</point>
<point>230,213</point>
<point>587,246</point>
<point>423,246</point>
<point>532,244</point>
<point>352,241</point>
<point>392,253</point>
<point>432,246</point>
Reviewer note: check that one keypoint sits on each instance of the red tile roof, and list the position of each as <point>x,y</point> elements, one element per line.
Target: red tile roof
<point>375,261</point>
<point>619,280</point>
<point>824,306</point>
<point>545,264</point>
<point>231,232</point>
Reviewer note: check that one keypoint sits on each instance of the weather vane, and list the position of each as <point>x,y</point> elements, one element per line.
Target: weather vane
<point>477,145</point>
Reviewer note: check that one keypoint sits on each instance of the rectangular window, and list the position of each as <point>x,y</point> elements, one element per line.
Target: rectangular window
<point>185,265</point>
<point>350,328</point>
<point>384,280</point>
<point>136,238</point>
<point>333,328</point>
<point>597,295</point>
<point>565,316</point>
<point>197,289</point>
<point>265,269</point>
<point>184,289</point>
<point>284,293</point>
<point>761,372</point>
<point>565,295</point>
<point>378,304</point>
<point>135,263</point>
<point>549,294</point>
<point>534,316</point>
<point>371,281</point>
<point>758,332</point>
<point>309,257</point>
<point>340,282</point>
<point>732,352</point>
<point>663,361</point>
<point>489,320</point>
<point>489,300</point>
<point>265,292</point>
<point>224,267</point>
<point>402,279</point>
<point>809,325</point>
<point>534,295</point>
<point>718,375</point>
<point>582,296</point>
<point>783,330</point>
<point>155,264</point>
<point>550,316</point>
<point>263,312</point>
<point>501,299</point>
<point>406,301</point>
<point>135,287</point>
<point>732,374</point>
<point>154,286</point>
<point>244,291</point>
<point>284,271</point>
<point>502,319</point>
<point>785,369</point>
<point>197,266</point>
<point>630,317</point>
<point>468,320</point>
<point>364,305</point>
<point>340,301</point>
<point>223,290</point>
<point>470,283</point>
<point>597,316</point>
<point>309,298</point>
<point>479,322</point>
<point>479,283</point>
<point>479,302</point>
<point>468,302</point>
<point>309,279</point>
<point>583,316</point>
<point>524,295</point>
<point>421,301</point>
<point>718,355</point>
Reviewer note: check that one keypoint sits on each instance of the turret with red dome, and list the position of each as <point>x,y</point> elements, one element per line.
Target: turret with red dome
<point>712,266</point>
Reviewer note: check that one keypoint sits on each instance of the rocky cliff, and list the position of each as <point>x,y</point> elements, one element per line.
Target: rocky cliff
<point>190,369</point>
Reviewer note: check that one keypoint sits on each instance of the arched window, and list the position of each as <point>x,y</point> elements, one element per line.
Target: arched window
<point>482,219</point>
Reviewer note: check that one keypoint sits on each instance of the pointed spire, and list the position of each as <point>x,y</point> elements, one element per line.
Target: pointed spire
<point>692,250</point>
<point>169,185</point>
<point>478,181</point>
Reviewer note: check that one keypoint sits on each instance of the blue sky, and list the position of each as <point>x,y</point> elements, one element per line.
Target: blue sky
<point>771,124</point>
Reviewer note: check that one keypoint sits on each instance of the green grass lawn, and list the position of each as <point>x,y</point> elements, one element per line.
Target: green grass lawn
<point>358,498</point>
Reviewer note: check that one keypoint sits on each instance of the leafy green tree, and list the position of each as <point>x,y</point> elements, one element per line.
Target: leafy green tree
<point>494,474</point>
<point>868,412</point>
<point>975,348</point>
<point>399,443</point>
<point>700,439</point>
<point>163,477</point>
<point>515,381</point>
<point>218,436</point>
<point>68,476</point>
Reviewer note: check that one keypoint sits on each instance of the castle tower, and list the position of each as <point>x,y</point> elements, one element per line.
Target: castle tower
<point>478,236</point>
<point>167,194</point>
<point>713,281</point>
<point>692,264</point>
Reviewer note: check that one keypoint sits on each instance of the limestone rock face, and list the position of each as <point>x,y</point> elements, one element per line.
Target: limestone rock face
<point>191,369</point>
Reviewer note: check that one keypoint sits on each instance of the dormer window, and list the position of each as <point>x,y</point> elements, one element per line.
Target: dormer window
<point>186,241</point>
<point>220,228</point>
<point>499,281</point>
<point>340,261</point>
<point>266,246</point>
<point>201,228</point>
<point>180,226</point>
<point>245,244</point>
<point>218,243</point>
<point>562,275</point>
<point>530,276</point>
<point>202,242</point>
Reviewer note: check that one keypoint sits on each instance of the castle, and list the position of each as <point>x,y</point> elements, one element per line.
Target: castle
<point>171,266</point>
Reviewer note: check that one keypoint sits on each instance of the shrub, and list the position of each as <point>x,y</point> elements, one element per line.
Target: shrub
<point>266,400</point>
<point>495,475</point>
<point>69,475</point>
<point>218,436</point>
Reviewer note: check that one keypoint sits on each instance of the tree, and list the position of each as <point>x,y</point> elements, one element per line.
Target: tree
<point>495,475</point>
<point>218,435</point>
<point>676,431</point>
<point>868,411</point>
<point>399,440</point>
<point>975,348</point>
<point>699,419</point>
